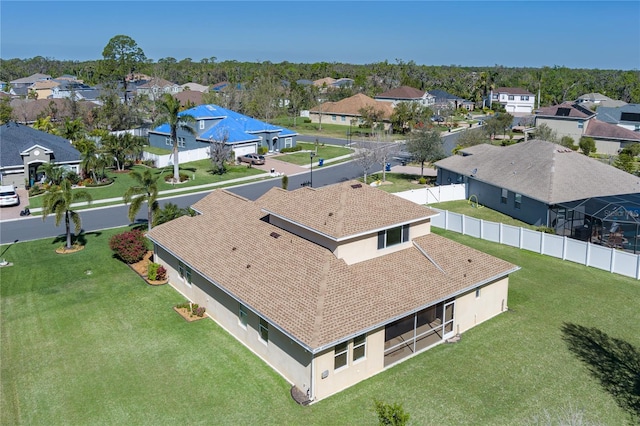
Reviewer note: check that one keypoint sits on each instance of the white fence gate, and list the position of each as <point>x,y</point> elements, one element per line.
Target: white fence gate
<point>165,160</point>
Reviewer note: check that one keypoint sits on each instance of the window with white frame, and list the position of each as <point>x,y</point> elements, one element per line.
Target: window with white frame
<point>264,330</point>
<point>343,118</point>
<point>333,118</point>
<point>201,124</point>
<point>181,142</point>
<point>341,356</point>
<point>524,98</point>
<point>511,97</point>
<point>288,142</point>
<point>360,347</point>
<point>393,236</point>
<point>580,124</point>
<point>167,141</point>
<point>242,315</point>
<point>503,196</point>
<point>517,203</point>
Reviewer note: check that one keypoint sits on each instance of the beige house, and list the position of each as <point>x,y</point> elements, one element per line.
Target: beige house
<point>347,111</point>
<point>329,286</point>
<point>573,119</point>
<point>43,88</point>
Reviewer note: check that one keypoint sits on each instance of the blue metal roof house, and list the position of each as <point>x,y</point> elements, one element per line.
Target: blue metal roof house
<point>217,124</point>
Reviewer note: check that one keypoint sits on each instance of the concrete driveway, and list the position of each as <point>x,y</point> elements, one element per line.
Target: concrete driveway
<point>13,212</point>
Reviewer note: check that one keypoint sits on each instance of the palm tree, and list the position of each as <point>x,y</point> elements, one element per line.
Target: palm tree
<point>145,190</point>
<point>58,200</point>
<point>89,158</point>
<point>169,113</point>
<point>54,172</point>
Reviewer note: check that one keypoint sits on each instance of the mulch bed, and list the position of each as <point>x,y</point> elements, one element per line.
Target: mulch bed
<point>184,313</point>
<point>141,269</point>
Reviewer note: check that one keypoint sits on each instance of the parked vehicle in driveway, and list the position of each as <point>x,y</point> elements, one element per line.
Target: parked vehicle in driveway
<point>9,196</point>
<point>251,159</point>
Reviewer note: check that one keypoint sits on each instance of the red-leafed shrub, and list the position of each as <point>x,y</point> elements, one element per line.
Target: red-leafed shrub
<point>130,246</point>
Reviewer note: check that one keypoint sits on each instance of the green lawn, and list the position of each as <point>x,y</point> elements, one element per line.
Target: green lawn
<point>199,173</point>
<point>302,158</point>
<point>480,212</point>
<point>396,182</point>
<point>85,341</point>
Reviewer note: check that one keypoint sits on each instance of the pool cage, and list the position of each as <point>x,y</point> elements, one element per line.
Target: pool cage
<point>612,221</point>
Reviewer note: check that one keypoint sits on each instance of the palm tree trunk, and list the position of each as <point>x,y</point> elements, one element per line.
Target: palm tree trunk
<point>176,166</point>
<point>67,224</point>
<point>149,214</point>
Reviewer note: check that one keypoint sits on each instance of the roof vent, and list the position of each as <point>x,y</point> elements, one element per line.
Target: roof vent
<point>330,214</point>
<point>274,234</point>
<point>356,186</point>
<point>233,249</point>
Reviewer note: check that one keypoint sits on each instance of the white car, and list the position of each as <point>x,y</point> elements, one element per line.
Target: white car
<point>9,196</point>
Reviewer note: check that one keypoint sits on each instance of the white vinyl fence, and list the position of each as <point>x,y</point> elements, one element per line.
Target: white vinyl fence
<point>165,160</point>
<point>562,247</point>
<point>436,194</point>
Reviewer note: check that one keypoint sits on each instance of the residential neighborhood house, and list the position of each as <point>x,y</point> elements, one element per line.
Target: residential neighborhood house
<point>597,100</point>
<point>220,125</point>
<point>325,292</point>
<point>24,149</point>
<point>347,112</point>
<point>532,181</point>
<point>574,120</point>
<point>515,101</point>
<point>406,94</point>
<point>626,116</point>
<point>156,87</point>
<point>444,99</point>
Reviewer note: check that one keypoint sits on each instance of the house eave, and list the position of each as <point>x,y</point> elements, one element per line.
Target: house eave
<point>413,311</point>
<point>235,297</point>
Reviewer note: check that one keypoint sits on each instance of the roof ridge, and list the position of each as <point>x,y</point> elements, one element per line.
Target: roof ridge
<point>340,213</point>
<point>316,336</point>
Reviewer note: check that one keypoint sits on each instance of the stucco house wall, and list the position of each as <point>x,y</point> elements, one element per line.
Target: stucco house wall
<point>563,127</point>
<point>479,305</point>
<point>284,355</point>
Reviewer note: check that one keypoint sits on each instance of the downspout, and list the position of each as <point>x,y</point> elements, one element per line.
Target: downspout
<point>311,393</point>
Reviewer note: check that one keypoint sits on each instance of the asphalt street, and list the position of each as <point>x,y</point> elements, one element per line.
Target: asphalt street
<point>95,219</point>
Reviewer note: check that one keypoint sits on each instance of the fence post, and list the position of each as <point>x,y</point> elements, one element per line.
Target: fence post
<point>588,254</point>
<point>464,220</point>
<point>564,248</point>
<point>520,237</point>
<point>446,220</point>
<point>612,260</point>
<point>541,242</point>
<point>481,229</point>
<point>500,233</point>
<point>637,267</point>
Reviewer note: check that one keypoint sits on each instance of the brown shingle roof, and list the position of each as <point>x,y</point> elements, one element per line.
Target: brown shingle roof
<point>187,97</point>
<point>600,129</point>
<point>344,209</point>
<point>542,170</point>
<point>353,105</point>
<point>512,91</point>
<point>301,287</point>
<point>575,111</point>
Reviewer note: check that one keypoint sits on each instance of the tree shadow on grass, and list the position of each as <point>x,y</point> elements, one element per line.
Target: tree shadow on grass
<point>613,362</point>
<point>80,239</point>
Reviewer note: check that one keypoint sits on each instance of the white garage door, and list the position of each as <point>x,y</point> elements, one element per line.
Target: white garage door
<point>241,150</point>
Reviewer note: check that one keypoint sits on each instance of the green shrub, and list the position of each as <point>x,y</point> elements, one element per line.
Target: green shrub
<point>262,150</point>
<point>285,182</point>
<point>391,414</point>
<point>130,246</point>
<point>169,176</point>
<point>72,177</point>
<point>101,182</point>
<point>422,181</point>
<point>36,189</point>
<point>193,308</point>
<point>292,149</point>
<point>152,271</point>
<point>546,229</point>
<point>306,120</point>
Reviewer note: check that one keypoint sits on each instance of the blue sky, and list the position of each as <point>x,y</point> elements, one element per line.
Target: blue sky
<point>576,34</point>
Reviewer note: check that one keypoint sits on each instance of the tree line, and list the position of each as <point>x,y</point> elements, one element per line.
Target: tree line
<point>556,83</point>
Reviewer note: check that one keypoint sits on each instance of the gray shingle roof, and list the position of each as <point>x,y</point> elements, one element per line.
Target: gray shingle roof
<point>542,170</point>
<point>16,138</point>
<point>301,287</point>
